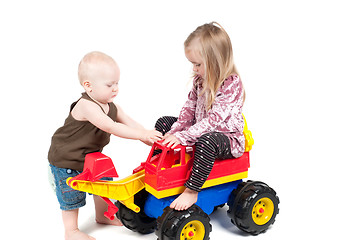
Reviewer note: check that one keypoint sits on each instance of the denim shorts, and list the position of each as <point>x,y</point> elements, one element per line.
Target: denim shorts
<point>68,198</point>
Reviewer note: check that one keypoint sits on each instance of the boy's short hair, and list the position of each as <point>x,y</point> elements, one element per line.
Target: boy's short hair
<point>91,62</point>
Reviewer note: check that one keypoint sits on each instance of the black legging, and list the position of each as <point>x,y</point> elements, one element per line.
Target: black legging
<point>209,147</point>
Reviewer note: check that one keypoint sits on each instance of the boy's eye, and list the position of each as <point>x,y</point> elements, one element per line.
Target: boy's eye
<point>112,84</point>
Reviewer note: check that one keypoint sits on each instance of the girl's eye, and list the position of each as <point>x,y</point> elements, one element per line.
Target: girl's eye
<point>198,65</point>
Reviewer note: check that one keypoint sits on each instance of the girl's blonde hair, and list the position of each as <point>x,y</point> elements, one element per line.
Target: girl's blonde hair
<point>217,54</point>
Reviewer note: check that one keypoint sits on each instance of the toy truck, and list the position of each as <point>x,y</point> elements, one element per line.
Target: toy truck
<point>143,198</point>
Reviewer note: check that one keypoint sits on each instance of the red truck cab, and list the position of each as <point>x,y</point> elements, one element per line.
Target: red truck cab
<point>167,170</point>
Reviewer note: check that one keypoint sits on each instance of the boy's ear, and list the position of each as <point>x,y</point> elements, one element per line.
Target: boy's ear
<point>87,85</point>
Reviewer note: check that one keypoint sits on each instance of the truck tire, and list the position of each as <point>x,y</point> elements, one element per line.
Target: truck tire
<point>137,222</point>
<point>253,207</point>
<point>192,223</point>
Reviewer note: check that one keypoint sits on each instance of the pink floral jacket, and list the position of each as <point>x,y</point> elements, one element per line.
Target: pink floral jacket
<point>225,116</point>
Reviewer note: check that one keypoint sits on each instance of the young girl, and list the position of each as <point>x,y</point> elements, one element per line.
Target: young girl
<point>212,116</point>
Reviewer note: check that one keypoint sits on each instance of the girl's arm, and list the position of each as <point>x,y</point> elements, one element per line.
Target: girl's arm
<point>89,111</point>
<point>228,97</point>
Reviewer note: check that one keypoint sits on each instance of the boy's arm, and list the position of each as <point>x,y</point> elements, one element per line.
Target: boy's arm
<point>122,117</point>
<point>91,112</point>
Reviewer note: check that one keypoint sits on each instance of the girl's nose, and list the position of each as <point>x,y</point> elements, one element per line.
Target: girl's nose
<point>195,69</point>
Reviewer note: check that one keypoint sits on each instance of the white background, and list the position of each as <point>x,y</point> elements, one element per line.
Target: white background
<point>300,64</point>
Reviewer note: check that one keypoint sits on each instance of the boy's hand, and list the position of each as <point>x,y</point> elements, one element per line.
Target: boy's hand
<point>150,136</point>
<point>170,141</point>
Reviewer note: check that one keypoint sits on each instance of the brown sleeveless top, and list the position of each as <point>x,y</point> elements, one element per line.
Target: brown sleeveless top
<point>71,142</point>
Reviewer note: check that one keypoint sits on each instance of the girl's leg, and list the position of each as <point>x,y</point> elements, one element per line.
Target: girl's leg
<point>209,147</point>
<point>100,207</point>
<point>164,124</point>
<point>70,221</point>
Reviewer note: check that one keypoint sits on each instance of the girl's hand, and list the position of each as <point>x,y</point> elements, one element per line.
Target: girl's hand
<point>170,141</point>
<point>151,136</point>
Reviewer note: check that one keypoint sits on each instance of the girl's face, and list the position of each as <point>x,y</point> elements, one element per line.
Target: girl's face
<point>193,55</point>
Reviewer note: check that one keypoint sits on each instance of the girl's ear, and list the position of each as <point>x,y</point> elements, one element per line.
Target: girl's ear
<point>87,86</point>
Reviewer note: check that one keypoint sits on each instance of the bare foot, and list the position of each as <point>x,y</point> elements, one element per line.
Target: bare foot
<point>77,235</point>
<point>100,207</point>
<point>72,232</point>
<point>185,200</point>
<point>107,221</point>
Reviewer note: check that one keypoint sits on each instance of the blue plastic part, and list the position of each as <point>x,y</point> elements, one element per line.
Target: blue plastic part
<point>207,199</point>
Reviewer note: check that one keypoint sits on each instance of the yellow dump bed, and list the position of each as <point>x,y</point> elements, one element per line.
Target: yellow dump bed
<point>122,190</point>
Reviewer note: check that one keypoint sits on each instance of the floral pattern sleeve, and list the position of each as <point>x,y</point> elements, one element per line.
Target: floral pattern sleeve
<point>221,117</point>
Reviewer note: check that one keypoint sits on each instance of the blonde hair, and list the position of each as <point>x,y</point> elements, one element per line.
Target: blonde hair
<point>217,54</point>
<point>91,63</point>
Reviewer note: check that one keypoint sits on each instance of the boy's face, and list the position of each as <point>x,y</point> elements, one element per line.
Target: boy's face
<point>104,83</point>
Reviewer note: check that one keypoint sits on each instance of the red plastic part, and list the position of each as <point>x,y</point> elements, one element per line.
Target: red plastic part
<point>140,168</point>
<point>99,166</point>
<point>96,166</point>
<point>160,174</point>
<point>112,209</point>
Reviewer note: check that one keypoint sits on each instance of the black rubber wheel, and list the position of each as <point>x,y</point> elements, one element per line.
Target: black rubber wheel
<point>253,207</point>
<point>192,223</point>
<point>137,222</point>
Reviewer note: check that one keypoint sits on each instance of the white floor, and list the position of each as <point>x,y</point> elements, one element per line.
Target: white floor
<point>222,228</point>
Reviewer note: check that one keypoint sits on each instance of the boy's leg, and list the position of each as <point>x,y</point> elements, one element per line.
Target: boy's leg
<point>100,207</point>
<point>70,221</point>
<point>209,147</point>
<point>70,201</point>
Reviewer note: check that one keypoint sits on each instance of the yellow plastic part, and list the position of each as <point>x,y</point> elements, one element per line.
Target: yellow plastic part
<point>262,211</point>
<point>164,193</point>
<point>193,230</point>
<point>208,183</point>
<point>225,179</point>
<point>248,136</point>
<point>122,190</point>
